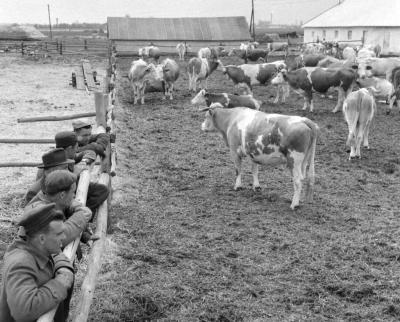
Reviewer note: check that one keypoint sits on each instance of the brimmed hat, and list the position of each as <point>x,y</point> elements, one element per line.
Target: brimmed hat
<point>58,180</point>
<point>78,124</point>
<point>36,218</point>
<point>65,139</point>
<point>54,158</point>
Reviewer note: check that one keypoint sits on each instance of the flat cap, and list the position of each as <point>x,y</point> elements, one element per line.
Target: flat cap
<point>65,139</point>
<point>36,218</point>
<point>78,124</point>
<point>58,180</point>
<point>54,158</point>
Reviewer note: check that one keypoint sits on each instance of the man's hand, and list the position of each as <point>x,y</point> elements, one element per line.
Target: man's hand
<point>65,277</point>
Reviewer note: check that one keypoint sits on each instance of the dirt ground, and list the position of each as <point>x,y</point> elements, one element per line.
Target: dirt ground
<point>186,247</point>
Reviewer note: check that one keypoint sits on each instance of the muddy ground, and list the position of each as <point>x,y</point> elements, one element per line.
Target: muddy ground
<point>186,247</point>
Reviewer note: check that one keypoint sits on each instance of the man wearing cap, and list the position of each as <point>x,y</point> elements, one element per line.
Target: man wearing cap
<point>88,141</point>
<point>36,277</point>
<point>59,188</point>
<point>55,159</point>
<point>97,192</point>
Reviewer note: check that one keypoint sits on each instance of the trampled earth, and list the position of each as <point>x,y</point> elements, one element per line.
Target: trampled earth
<point>186,247</point>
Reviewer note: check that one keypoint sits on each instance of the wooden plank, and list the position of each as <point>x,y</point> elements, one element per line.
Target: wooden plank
<point>88,74</point>
<point>18,164</point>
<point>80,81</point>
<point>16,141</point>
<point>55,118</point>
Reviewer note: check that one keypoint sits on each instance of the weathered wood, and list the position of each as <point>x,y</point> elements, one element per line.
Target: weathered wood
<point>101,103</point>
<point>80,80</point>
<point>55,118</point>
<point>70,249</point>
<point>18,164</point>
<point>113,161</point>
<point>88,74</point>
<point>94,262</point>
<point>16,141</point>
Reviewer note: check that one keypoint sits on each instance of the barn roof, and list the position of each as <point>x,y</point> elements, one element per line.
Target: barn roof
<point>359,13</point>
<point>206,28</point>
<point>19,32</point>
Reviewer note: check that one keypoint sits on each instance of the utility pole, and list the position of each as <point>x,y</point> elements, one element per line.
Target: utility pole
<point>252,28</point>
<point>48,10</point>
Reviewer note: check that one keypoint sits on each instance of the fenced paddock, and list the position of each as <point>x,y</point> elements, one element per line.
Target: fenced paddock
<point>186,247</point>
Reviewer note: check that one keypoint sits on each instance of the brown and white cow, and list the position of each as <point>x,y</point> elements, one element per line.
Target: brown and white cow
<point>226,100</point>
<point>359,109</point>
<point>167,72</point>
<point>268,139</point>
<point>254,74</point>
<point>381,89</point>
<point>182,49</point>
<point>308,79</point>
<point>199,69</point>
<point>253,55</point>
<point>377,67</point>
<point>150,52</point>
<point>139,75</point>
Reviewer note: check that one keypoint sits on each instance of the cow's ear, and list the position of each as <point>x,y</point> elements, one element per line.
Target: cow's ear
<point>355,67</point>
<point>368,68</point>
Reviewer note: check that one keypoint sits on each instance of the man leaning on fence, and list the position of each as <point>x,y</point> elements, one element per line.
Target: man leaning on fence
<point>37,277</point>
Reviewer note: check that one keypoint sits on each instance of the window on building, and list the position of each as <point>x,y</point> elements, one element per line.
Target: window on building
<point>349,35</point>
<point>364,36</point>
<point>323,34</point>
<point>336,34</point>
<point>312,34</point>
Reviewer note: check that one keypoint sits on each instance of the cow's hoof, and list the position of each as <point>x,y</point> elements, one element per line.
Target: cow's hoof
<point>294,207</point>
<point>387,112</point>
<point>258,188</point>
<point>238,188</point>
<point>367,147</point>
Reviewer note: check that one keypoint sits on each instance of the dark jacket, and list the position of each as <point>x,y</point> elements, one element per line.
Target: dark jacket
<point>97,143</point>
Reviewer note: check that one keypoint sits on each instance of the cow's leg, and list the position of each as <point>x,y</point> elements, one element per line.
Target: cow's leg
<point>142,94</point>
<point>341,96</point>
<point>365,136</point>
<point>285,92</point>
<point>237,160</point>
<point>359,138</point>
<point>135,94</point>
<point>392,99</point>
<point>254,171</point>
<point>170,91</point>
<point>297,175</point>
<point>278,89</point>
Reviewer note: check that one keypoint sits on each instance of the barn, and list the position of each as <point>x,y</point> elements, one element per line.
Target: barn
<point>129,34</point>
<point>357,20</point>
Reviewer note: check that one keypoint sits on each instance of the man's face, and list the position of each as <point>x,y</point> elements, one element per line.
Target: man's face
<point>84,135</point>
<point>66,197</point>
<point>71,151</point>
<point>52,239</point>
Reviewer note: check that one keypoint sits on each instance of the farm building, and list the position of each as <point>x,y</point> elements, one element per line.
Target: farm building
<point>357,20</point>
<point>129,34</point>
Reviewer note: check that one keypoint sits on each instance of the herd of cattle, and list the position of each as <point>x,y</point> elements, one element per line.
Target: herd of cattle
<point>272,138</point>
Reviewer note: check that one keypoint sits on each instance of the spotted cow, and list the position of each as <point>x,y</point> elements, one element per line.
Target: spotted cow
<point>226,100</point>
<point>308,79</point>
<point>139,74</point>
<point>268,139</point>
<point>199,69</point>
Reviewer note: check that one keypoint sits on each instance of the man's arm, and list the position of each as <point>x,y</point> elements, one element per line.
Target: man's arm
<point>98,143</point>
<point>28,301</point>
<point>78,217</point>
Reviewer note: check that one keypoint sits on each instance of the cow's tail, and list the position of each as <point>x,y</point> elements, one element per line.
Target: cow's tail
<point>192,81</point>
<point>309,160</point>
<point>352,120</point>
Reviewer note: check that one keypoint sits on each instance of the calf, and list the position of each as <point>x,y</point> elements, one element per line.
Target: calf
<point>182,49</point>
<point>268,139</point>
<point>138,75</point>
<point>167,72</point>
<point>208,53</point>
<point>358,109</point>
<point>199,69</point>
<point>349,53</point>
<point>308,79</point>
<point>226,100</point>
<point>382,88</point>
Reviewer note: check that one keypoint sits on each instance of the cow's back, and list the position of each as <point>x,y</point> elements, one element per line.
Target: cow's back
<point>170,70</point>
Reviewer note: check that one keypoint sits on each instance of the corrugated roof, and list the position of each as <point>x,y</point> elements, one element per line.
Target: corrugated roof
<point>359,13</point>
<point>19,32</point>
<point>206,28</point>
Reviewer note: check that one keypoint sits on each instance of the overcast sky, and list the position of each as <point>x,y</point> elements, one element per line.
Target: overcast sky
<point>35,11</point>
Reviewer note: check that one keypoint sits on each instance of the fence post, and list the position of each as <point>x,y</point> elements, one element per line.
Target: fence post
<point>85,44</point>
<point>22,48</point>
<point>61,48</point>
<point>57,45</point>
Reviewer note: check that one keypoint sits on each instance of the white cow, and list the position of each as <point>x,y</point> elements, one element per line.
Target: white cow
<point>139,74</point>
<point>381,88</point>
<point>182,49</point>
<point>359,109</point>
<point>167,72</point>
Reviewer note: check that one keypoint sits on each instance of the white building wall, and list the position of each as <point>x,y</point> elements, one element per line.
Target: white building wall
<point>387,37</point>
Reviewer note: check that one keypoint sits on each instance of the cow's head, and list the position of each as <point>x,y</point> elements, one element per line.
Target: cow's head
<point>364,69</point>
<point>200,98</point>
<point>208,124</point>
<point>279,78</point>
